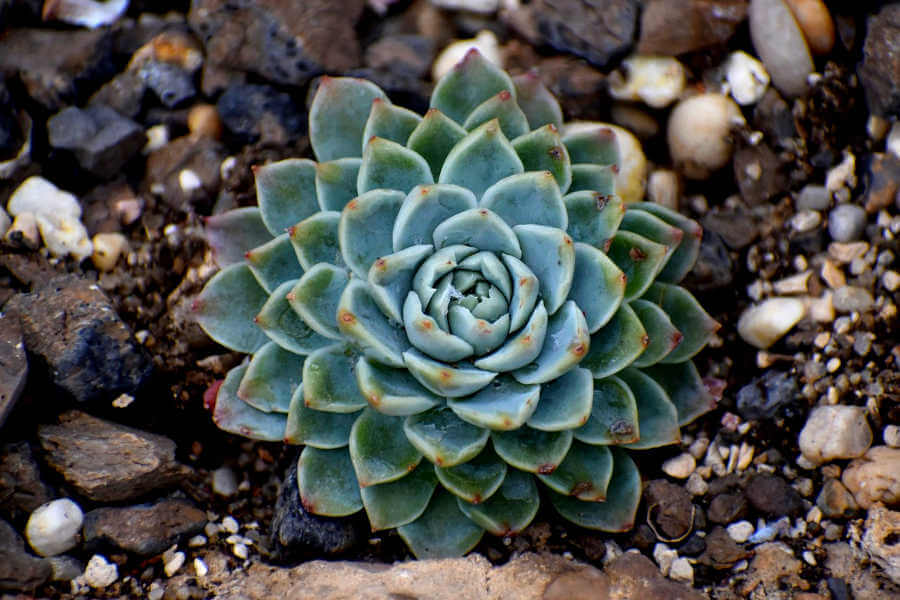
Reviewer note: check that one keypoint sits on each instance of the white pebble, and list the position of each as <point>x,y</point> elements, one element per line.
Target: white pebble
<point>764,324</point>
<point>833,432</point>
<point>741,531</point>
<point>197,541</point>
<point>230,525</point>
<point>156,592</point>
<point>157,137</point>
<point>174,563</point>
<point>806,220</point>
<point>809,558</point>
<point>663,188</point>
<point>54,527</point>
<point>699,134</point>
<point>24,226</point>
<point>664,557</point>
<point>842,175</point>
<point>680,467</point>
<point>189,181</point>
<point>200,567</point>
<point>484,41</point>
<point>780,44</point>
<point>108,247</point>
<point>681,570</point>
<point>747,78</point>
<point>240,550</point>
<point>655,80</point>
<point>39,196</point>
<point>891,435</point>
<point>224,482</point>
<point>695,485</point>
<point>891,281</point>
<point>64,235</point>
<point>479,6</point>
<point>893,140</point>
<point>98,574</point>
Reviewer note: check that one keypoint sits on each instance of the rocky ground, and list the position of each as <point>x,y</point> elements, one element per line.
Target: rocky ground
<point>123,125</point>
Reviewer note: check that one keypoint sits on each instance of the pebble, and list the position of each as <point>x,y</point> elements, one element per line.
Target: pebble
<point>156,592</point>
<point>64,235</point>
<point>874,477</point>
<point>806,220</point>
<point>657,81</point>
<point>770,531</point>
<point>698,447</point>
<point>680,467</point>
<point>695,485</point>
<point>108,247</point>
<point>99,573</point>
<point>197,541</point>
<point>773,496</point>
<point>664,557</point>
<point>662,188</point>
<point>54,527</point>
<point>834,432</point>
<point>224,482</point>
<point>764,324</point>
<point>815,22</point>
<point>846,222</point>
<point>241,551</point>
<point>200,567</point>
<point>65,568</point>
<point>230,525</point>
<point>479,6</point>
<point>835,500</point>
<point>699,134</point>
<point>780,44</point>
<point>484,41</point>
<point>813,197</point>
<point>795,284</point>
<point>682,570</point>
<point>172,561</point>
<point>203,120</point>
<point>24,231</point>
<point>891,435</point>
<point>892,144</point>
<point>842,175</point>
<point>844,253</point>
<point>832,274</point>
<point>38,196</point>
<point>747,78</point>
<point>741,531</point>
<point>851,298</point>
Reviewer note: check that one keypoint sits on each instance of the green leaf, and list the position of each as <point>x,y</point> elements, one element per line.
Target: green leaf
<point>566,402</point>
<point>600,179</point>
<point>539,105</point>
<point>400,502</point>
<point>444,380</point>
<point>316,428</point>
<point>614,418</point>
<point>443,261</point>
<point>425,334</point>
<point>226,307</point>
<point>387,165</point>
<point>598,286</point>
<point>434,137</point>
<point>328,381</point>
<point>233,415</point>
<point>566,344</point>
<point>481,334</point>
<point>682,261</point>
<point>550,254</point>
<point>391,276</point>
<point>522,348</point>
<point>479,228</point>
<point>687,315</point>
<point>366,227</point>
<point>271,379</point>
<point>231,234</point>
<point>585,473</point>
<point>389,122</point>
<point>685,388</point>
<point>639,258</point>
<point>336,182</point>
<point>655,229</point>
<point>502,107</point>
<point>525,291</point>
<point>474,481</point>
<point>473,80</point>
<point>315,298</point>
<point>285,327</point>
<point>338,115</point>
<point>379,449</point>
<point>527,198</point>
<point>442,531</point>
<point>593,217</point>
<point>618,512</point>
<point>274,262</point>
<point>443,438</point>
<point>481,159</point>
<point>426,207</point>
<point>315,240</point>
<point>532,450</point>
<point>326,482</point>
<point>286,192</point>
<point>503,405</point>
<point>617,344</point>
<point>595,146</point>
<point>662,334</point>
<point>543,150</point>
<point>657,416</point>
<point>392,391</point>
<point>508,511</point>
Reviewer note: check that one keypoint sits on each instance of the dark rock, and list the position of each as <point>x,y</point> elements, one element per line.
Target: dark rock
<point>882,182</point>
<point>764,396</point>
<point>672,28</point>
<point>737,226</point>
<point>124,93</point>
<point>21,488</point>
<point>108,462</point>
<point>835,500</point>
<point>772,115</point>
<point>101,139</point>
<point>643,538</point>
<point>13,364</point>
<point>810,242</point>
<point>758,174</point>
<point>773,496</point>
<point>202,156</point>
<point>838,588</point>
<point>669,507</point>
<point>65,568</point>
<point>57,67</point>
<point>694,546</point>
<point>11,134</point>
<point>714,268</point>
<point>259,113</point>
<point>409,55</point>
<point>283,42</point>
<point>880,69</point>
<point>635,576</point>
<point>299,534</point>
<point>144,529</point>
<point>19,571</point>
<point>173,85</point>
<point>721,551</point>
<point>598,32</point>
<point>109,206</point>
<point>727,508</point>
<point>90,352</point>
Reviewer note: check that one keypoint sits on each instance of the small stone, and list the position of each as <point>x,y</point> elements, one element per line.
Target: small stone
<point>663,188</point>
<point>726,508</point>
<point>833,432</point>
<point>880,540</point>
<point>200,568</point>
<point>664,557</point>
<point>699,134</point>
<point>173,563</point>
<point>108,247</point>
<point>875,477</point>
<point>747,78</point>
<point>5,222</point>
<point>815,22</point>
<point>198,541</point>
<point>485,42</point>
<point>13,377</point>
<point>224,482</point>
<point>65,568</point>
<point>55,527</point>
<point>259,113</point>
<point>780,44</point>
<point>230,525</point>
<point>835,500</point>
<point>38,196</point>
<point>844,253</point>
<point>846,222</point>
<point>99,573</point>
<point>843,174</point>
<point>795,284</point>
<point>771,495</point>
<point>813,197</point>
<point>64,235</point>
<point>144,529</point>
<point>203,120</point>
<point>657,81</point>
<point>851,298</point>
<point>764,324</point>
<point>721,552</point>
<point>806,220</point>
<point>880,69</point>
<point>671,29</point>
<point>101,139</point>
<point>478,6</point>
<point>891,435</point>
<point>773,565</point>
<point>741,531</point>
<point>695,485</point>
<point>680,467</point>
<point>681,570</point>
<point>19,570</point>
<point>156,591</point>
<point>21,488</point>
<point>673,513</point>
<point>891,280</point>
<point>883,181</point>
<point>241,551</point>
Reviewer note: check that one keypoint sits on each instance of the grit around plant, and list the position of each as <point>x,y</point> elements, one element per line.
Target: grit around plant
<point>455,313</point>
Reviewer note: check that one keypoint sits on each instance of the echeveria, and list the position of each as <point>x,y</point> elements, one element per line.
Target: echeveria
<point>455,314</point>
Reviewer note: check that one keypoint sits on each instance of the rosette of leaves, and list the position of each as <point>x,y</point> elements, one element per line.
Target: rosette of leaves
<point>455,314</point>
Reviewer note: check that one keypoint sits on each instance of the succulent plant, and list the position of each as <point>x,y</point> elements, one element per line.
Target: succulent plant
<point>455,314</point>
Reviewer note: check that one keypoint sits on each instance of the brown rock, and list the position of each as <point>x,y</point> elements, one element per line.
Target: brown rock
<point>880,540</point>
<point>721,551</point>
<point>835,500</point>
<point>201,156</point>
<point>18,569</point>
<point>774,567</point>
<point>108,462</point>
<point>880,69</point>
<point>21,488</point>
<point>144,529</point>
<point>670,508</point>
<point>773,496</point>
<point>883,182</point>
<point>727,508</point>
<point>635,576</point>
<point>672,28</point>
<point>866,583</point>
<point>816,23</point>
<point>875,477</point>
<point>758,173</point>
<point>13,364</point>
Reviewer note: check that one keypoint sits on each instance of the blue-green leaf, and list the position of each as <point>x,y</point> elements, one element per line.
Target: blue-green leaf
<point>338,115</point>
<point>274,262</point>
<point>387,165</point>
<point>442,531</point>
<point>389,122</point>
<point>543,150</point>
<point>328,381</point>
<point>315,240</point>
<point>614,418</point>
<point>363,323</point>
<point>227,306</point>
<point>316,428</point>
<point>366,226</point>
<point>502,107</point>
<point>472,80</point>
<point>657,416</point>
<point>327,484</point>
<point>617,344</point>
<point>585,473</point>
<point>379,449</point>
<point>392,391</point>
<point>336,182</point>
<point>511,509</point>
<point>426,207</point>
<point>316,296</point>
<point>531,198</point>
<point>481,159</point>
<point>271,379</point>
<point>444,438</point>
<point>397,503</point>
<point>232,234</point>
<point>503,405</point>
<point>532,450</point>
<point>474,481</point>
<point>565,402</point>
<point>233,415</point>
<point>286,192</point>
<point>434,137</point>
<point>285,327</point>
